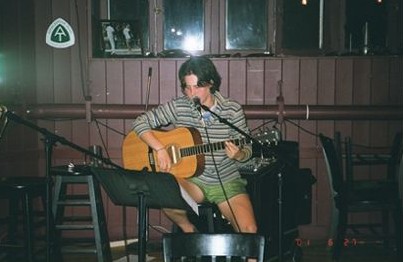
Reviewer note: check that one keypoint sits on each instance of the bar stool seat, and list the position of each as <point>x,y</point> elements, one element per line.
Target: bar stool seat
<point>209,220</point>
<point>25,218</point>
<point>95,223</point>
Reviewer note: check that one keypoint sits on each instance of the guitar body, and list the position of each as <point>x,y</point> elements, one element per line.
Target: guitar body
<point>136,155</point>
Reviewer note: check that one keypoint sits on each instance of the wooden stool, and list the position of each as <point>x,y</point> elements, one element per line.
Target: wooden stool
<point>20,192</point>
<point>208,221</point>
<point>96,223</point>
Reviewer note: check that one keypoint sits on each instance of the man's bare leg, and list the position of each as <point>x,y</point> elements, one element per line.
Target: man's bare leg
<point>244,220</point>
<point>179,217</point>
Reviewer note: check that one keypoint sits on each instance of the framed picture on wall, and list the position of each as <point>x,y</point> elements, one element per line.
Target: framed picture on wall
<point>120,38</point>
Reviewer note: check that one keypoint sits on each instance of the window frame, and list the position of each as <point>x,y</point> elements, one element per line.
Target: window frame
<point>331,31</point>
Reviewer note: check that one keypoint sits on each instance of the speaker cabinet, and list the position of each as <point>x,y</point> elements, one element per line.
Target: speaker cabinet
<point>281,182</point>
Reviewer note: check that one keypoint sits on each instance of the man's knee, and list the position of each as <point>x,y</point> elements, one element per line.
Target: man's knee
<point>250,228</point>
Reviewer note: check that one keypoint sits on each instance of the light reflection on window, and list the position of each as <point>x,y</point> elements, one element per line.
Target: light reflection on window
<point>184,25</point>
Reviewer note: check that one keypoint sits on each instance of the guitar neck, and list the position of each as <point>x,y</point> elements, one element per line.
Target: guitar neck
<point>206,148</point>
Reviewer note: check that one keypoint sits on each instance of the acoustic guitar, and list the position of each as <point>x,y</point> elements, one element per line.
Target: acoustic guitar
<point>184,146</point>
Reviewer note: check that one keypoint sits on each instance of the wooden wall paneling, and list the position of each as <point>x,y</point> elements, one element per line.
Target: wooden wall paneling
<point>62,76</point>
<point>98,90</point>
<point>44,62</point>
<point>44,56</point>
<point>16,157</point>
<point>361,96</point>
<point>114,95</point>
<point>10,46</point>
<point>379,91</point>
<point>154,96</point>
<point>237,88</point>
<point>290,89</point>
<point>167,80</point>
<point>26,60</point>
<point>395,91</point>
<point>80,71</point>
<point>97,80</point>
<point>272,77</point>
<point>395,80</point>
<point>222,66</point>
<point>133,90</point>
<point>114,82</point>
<point>80,132</point>
<point>60,57</point>
<point>255,86</point>
<point>62,90</point>
<point>326,81</point>
<point>80,51</point>
<point>308,96</point>
<point>344,91</point>
<point>254,81</point>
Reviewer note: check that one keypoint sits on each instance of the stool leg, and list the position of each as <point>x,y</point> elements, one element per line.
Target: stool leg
<point>57,214</point>
<point>58,191</point>
<point>98,220</point>
<point>55,252</point>
<point>28,227</point>
<point>13,218</point>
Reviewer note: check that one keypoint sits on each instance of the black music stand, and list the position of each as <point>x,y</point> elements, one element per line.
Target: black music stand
<point>143,190</point>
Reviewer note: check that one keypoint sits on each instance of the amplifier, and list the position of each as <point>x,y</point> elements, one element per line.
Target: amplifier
<point>257,166</point>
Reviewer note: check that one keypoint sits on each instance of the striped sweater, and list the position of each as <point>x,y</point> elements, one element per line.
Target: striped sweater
<point>181,112</point>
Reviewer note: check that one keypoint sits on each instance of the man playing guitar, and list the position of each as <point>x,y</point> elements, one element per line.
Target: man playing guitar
<point>215,177</point>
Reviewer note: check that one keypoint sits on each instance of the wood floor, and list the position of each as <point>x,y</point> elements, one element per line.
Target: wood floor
<point>314,252</point>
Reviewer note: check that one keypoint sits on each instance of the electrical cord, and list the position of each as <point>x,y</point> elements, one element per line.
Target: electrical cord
<point>220,181</point>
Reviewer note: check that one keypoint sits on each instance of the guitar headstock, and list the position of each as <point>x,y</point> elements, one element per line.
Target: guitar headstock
<point>269,137</point>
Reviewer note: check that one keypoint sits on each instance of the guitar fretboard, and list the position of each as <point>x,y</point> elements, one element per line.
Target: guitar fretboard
<point>206,148</point>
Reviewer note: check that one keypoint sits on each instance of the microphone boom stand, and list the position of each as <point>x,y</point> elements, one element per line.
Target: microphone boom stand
<point>50,139</point>
<point>280,180</point>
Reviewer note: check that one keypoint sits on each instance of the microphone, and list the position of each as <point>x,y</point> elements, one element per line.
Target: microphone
<point>196,102</point>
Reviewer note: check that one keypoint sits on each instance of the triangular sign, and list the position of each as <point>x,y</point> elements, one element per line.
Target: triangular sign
<point>60,34</point>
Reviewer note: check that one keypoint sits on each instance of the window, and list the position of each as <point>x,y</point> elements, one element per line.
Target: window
<point>120,27</point>
<point>366,26</point>
<point>184,25</point>
<point>301,24</point>
<point>249,27</point>
<point>246,25</point>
